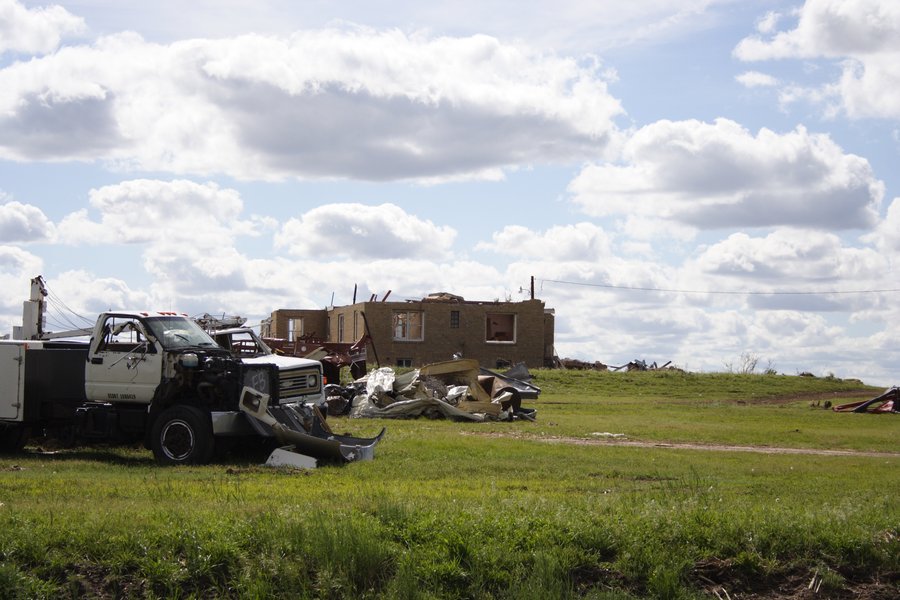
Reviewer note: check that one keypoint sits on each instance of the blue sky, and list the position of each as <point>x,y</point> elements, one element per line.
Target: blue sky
<point>689,180</point>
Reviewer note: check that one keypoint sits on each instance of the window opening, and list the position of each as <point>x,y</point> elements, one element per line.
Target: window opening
<point>500,328</point>
<point>408,326</point>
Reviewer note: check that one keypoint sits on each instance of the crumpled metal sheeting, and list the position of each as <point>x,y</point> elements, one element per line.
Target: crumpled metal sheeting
<point>363,407</point>
<point>450,390</point>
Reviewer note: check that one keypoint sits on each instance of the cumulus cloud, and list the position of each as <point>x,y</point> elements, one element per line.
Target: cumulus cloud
<point>17,267</point>
<point>717,175</point>
<point>571,25</point>
<point>864,35</point>
<point>354,103</point>
<point>86,294</point>
<point>791,258</point>
<point>753,79</point>
<point>148,211</point>
<point>24,223</point>
<point>361,231</point>
<point>581,241</point>
<point>16,262</point>
<point>188,230</point>
<point>36,31</point>
<point>887,235</point>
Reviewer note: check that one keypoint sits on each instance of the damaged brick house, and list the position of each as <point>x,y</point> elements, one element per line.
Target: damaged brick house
<point>415,333</point>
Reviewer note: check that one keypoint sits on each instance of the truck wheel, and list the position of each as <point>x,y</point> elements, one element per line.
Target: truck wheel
<point>182,435</point>
<point>12,437</point>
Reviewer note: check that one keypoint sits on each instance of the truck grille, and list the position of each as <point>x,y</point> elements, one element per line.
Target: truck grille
<point>299,382</point>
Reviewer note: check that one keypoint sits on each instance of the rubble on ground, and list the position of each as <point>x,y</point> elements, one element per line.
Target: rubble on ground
<point>886,402</point>
<point>580,365</point>
<point>634,365</point>
<point>332,355</point>
<point>457,389</point>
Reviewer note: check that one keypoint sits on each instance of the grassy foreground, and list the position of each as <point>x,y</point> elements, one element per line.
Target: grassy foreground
<point>493,510</point>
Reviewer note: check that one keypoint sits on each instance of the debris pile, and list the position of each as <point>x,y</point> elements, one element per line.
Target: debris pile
<point>635,365</point>
<point>332,355</point>
<point>305,436</point>
<point>456,389</point>
<point>579,365</point>
<point>641,365</point>
<point>884,403</point>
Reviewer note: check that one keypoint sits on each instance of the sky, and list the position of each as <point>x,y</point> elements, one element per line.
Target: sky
<point>696,181</point>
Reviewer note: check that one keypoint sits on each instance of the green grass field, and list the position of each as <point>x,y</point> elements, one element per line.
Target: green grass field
<point>559,508</point>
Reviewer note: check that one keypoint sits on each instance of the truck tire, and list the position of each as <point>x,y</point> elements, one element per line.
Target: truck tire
<point>182,435</point>
<point>12,437</point>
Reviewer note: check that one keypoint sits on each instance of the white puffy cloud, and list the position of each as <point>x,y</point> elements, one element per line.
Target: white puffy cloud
<point>86,295</point>
<point>887,235</point>
<point>24,223</point>
<point>754,79</point>
<point>791,269</point>
<point>864,35</point>
<point>17,267</point>
<point>768,22</point>
<point>570,25</point>
<point>581,241</point>
<point>368,232</point>
<point>718,175</point>
<point>35,31</point>
<point>353,103</point>
<point>188,230</point>
<point>832,28</point>
<point>148,211</point>
<point>791,258</point>
<point>16,262</point>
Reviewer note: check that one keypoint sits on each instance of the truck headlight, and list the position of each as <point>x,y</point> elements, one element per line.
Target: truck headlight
<point>189,360</point>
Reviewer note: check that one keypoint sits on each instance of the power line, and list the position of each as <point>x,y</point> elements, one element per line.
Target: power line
<point>719,292</point>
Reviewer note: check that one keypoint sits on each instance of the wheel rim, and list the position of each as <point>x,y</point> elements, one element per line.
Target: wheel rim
<point>177,440</point>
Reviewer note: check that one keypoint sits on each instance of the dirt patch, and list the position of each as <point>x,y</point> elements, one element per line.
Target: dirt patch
<point>717,447</point>
<point>814,398</point>
<point>618,441</point>
<point>724,579</point>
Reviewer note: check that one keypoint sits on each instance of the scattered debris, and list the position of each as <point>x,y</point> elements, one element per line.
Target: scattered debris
<point>456,389</point>
<point>635,365</point>
<point>815,583</point>
<point>301,429</point>
<point>211,323</point>
<point>286,457</point>
<point>719,596</point>
<point>332,355</point>
<point>885,403</point>
<point>641,365</point>
<point>580,365</point>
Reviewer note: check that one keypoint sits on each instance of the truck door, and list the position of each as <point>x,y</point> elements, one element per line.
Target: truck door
<point>124,365</point>
<point>12,384</point>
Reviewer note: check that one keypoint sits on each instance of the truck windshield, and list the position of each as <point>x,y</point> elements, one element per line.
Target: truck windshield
<point>178,332</point>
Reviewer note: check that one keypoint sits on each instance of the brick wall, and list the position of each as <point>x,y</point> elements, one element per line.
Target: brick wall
<point>314,322</point>
<point>442,332</point>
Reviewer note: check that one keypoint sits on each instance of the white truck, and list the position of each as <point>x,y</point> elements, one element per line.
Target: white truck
<point>158,377</point>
